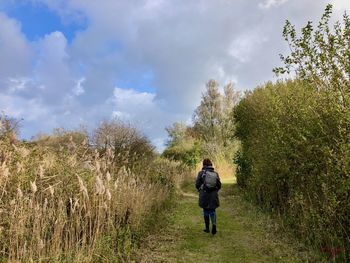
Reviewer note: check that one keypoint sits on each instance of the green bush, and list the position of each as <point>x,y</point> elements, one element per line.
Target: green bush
<point>188,152</point>
<point>295,158</point>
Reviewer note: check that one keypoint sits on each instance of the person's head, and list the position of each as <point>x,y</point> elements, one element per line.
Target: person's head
<point>207,162</point>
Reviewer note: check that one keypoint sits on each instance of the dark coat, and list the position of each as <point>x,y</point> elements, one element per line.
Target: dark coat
<point>207,199</point>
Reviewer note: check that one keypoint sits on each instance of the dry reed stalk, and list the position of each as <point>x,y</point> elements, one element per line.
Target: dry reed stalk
<point>62,203</point>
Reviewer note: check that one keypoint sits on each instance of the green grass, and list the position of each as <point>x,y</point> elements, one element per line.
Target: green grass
<point>245,234</point>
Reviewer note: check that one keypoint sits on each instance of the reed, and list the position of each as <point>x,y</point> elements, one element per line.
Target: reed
<point>63,204</point>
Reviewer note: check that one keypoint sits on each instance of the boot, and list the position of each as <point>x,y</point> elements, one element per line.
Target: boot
<point>206,221</point>
<point>213,230</point>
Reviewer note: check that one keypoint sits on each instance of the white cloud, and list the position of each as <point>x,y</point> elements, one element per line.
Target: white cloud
<point>52,68</point>
<point>242,48</point>
<point>30,110</point>
<point>17,84</point>
<point>120,115</point>
<point>15,53</point>
<point>142,109</point>
<point>79,89</point>
<point>129,98</point>
<point>267,4</point>
<point>138,107</point>
<point>341,4</point>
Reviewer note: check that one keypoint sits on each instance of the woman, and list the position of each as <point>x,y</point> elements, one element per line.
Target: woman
<point>208,184</point>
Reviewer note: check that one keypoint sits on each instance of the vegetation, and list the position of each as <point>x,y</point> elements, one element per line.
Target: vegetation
<point>9,127</point>
<point>77,202</point>
<point>182,146</point>
<point>295,138</point>
<point>211,119</point>
<point>321,56</point>
<point>212,132</point>
<point>71,197</point>
<point>245,234</point>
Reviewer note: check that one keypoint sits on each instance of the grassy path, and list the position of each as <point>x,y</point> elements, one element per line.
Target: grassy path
<point>244,234</point>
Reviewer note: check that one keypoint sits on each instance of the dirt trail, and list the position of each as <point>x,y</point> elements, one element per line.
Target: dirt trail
<point>244,234</point>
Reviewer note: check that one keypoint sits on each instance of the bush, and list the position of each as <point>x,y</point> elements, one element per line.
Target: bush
<point>295,158</point>
<point>130,148</point>
<point>188,152</point>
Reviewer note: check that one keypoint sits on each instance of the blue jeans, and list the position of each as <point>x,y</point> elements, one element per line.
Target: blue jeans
<point>211,213</point>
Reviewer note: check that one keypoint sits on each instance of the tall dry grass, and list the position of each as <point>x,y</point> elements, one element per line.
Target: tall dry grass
<point>74,204</point>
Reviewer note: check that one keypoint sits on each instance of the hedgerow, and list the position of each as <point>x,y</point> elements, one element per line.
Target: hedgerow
<point>295,158</point>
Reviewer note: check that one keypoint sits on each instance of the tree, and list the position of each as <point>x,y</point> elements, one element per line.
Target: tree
<point>321,55</point>
<point>177,132</point>
<point>130,147</point>
<point>212,130</point>
<point>213,118</point>
<point>207,116</point>
<point>230,99</point>
<point>182,146</point>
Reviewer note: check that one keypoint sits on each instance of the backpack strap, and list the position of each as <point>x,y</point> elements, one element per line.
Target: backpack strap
<point>203,178</point>
<point>204,173</point>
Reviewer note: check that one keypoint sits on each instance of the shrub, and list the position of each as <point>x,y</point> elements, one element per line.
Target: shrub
<point>130,147</point>
<point>187,151</point>
<point>295,158</point>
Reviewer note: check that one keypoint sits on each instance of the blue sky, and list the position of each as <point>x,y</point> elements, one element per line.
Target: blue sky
<point>37,20</point>
<point>66,63</point>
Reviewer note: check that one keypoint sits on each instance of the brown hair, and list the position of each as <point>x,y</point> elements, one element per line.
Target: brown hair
<point>207,162</point>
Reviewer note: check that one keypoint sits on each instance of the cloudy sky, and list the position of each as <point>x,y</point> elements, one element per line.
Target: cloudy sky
<point>71,62</point>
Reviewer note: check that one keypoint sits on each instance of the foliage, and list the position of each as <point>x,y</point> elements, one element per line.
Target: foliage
<point>177,133</point>
<point>295,136</point>
<point>295,158</point>
<point>208,114</point>
<point>227,125</point>
<point>212,119</point>
<point>321,55</point>
<point>211,133</point>
<point>187,151</point>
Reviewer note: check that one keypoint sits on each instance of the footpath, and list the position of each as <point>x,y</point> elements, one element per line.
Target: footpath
<point>245,234</point>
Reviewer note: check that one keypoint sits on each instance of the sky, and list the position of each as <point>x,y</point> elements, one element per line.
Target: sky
<point>67,63</point>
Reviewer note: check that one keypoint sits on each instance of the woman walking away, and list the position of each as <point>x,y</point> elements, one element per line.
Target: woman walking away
<point>208,184</point>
